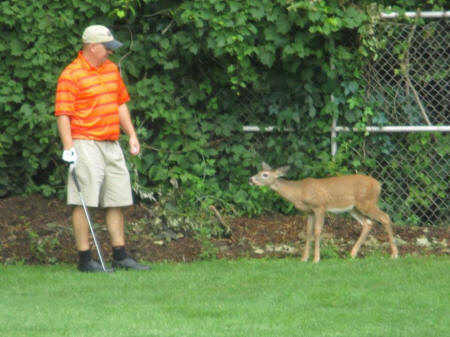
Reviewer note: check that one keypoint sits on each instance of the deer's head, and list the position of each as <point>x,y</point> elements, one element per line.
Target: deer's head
<point>267,176</point>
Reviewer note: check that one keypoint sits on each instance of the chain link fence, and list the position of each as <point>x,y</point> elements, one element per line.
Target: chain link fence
<point>410,78</point>
<point>410,83</point>
<point>411,195</point>
<point>407,146</point>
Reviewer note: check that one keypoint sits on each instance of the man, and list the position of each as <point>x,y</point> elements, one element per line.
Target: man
<point>90,110</point>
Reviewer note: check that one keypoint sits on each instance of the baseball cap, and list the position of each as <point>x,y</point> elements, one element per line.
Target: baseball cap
<point>100,34</point>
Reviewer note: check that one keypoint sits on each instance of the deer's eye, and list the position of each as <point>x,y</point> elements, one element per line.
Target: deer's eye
<point>265,175</point>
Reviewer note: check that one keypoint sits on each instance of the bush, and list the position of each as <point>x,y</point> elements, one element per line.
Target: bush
<point>197,71</point>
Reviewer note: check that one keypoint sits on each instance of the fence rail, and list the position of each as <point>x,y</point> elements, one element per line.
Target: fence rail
<point>426,14</point>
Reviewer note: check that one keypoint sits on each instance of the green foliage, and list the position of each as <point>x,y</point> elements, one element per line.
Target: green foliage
<point>201,70</point>
<point>38,38</point>
<point>208,250</point>
<point>197,71</point>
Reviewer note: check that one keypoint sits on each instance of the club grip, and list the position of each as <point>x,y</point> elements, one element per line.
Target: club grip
<point>75,178</point>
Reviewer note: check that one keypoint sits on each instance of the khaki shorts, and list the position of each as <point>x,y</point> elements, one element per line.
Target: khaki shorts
<point>102,174</point>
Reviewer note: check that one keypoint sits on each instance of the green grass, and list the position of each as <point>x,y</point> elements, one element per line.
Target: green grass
<point>364,297</point>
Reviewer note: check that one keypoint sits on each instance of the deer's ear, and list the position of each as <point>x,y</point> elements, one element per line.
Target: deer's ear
<point>266,167</point>
<point>282,170</point>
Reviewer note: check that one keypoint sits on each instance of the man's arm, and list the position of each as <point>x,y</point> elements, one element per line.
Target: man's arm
<point>65,132</point>
<point>128,128</point>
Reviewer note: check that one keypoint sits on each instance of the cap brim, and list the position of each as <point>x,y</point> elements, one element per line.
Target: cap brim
<point>112,45</point>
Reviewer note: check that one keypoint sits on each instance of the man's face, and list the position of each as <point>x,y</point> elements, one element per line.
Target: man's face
<point>101,52</point>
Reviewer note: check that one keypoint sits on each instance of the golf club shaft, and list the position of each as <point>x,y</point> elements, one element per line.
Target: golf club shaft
<point>99,252</point>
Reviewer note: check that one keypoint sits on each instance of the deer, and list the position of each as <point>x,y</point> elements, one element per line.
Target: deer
<point>356,193</point>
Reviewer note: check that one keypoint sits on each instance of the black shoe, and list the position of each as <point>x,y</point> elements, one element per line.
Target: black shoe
<point>90,266</point>
<point>129,263</point>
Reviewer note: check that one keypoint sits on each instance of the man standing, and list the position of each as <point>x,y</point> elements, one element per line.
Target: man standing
<point>90,110</point>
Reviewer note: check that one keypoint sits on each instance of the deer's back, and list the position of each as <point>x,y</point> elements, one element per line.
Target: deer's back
<point>339,193</point>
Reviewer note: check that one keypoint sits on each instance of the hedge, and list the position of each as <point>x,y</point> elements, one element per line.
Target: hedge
<point>197,71</point>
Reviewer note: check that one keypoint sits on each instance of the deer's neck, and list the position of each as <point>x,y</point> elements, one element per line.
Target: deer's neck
<point>286,189</point>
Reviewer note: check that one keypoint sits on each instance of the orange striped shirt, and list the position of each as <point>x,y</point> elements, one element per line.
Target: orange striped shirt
<point>90,97</point>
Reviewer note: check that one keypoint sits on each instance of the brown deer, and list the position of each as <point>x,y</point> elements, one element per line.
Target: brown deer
<point>357,194</point>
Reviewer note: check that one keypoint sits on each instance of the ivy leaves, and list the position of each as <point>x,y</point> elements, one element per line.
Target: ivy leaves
<point>209,66</point>
<point>38,39</point>
<point>197,71</point>
<point>191,66</point>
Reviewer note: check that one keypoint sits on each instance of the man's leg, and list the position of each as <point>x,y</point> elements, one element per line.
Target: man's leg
<point>115,223</point>
<point>81,231</point>
<point>80,228</point>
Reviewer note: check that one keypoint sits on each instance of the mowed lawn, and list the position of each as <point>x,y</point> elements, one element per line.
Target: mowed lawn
<point>373,296</point>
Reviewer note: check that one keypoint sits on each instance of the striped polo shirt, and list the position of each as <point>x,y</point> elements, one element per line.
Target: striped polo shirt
<point>90,97</point>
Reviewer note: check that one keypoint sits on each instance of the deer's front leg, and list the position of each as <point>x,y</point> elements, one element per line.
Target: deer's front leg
<point>308,236</point>
<point>319,214</point>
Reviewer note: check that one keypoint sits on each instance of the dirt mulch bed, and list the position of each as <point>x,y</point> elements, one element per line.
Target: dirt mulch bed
<point>34,229</point>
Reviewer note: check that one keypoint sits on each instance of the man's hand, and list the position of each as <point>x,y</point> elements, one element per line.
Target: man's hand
<point>128,128</point>
<point>135,147</point>
<point>70,156</point>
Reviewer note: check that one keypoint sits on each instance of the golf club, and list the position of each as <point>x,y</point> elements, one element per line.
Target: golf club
<point>75,178</point>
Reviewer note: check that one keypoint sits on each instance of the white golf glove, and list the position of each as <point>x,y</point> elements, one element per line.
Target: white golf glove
<point>70,156</point>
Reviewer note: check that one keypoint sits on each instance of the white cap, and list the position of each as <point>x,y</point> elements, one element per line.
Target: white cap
<point>100,34</point>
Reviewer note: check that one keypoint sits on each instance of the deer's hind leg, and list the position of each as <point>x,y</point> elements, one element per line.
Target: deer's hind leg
<point>377,214</point>
<point>366,227</point>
